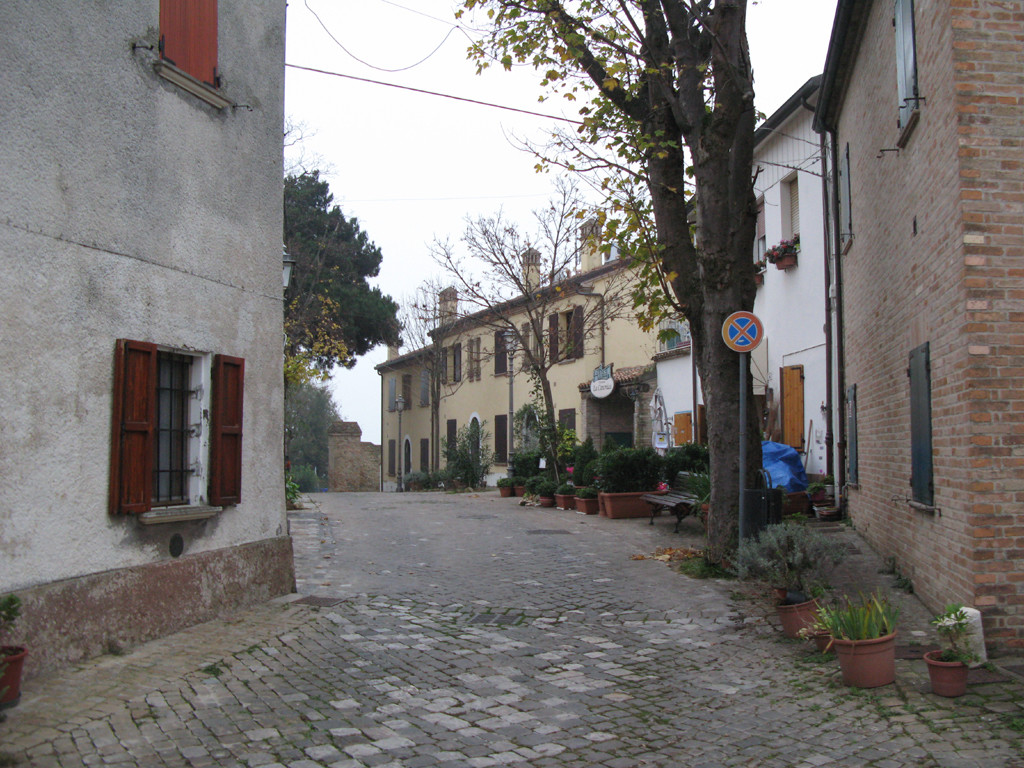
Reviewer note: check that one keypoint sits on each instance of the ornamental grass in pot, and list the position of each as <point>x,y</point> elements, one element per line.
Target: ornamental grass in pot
<point>948,667</point>
<point>864,638</point>
<point>795,560</point>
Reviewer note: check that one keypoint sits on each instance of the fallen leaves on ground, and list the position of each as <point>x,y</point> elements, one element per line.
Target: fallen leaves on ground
<point>671,554</point>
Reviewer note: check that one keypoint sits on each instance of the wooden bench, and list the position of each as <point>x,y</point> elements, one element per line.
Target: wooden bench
<point>679,503</point>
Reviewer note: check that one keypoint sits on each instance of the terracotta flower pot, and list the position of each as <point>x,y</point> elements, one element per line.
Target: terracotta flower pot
<point>505,491</point>
<point>867,663</point>
<point>796,617</point>
<point>547,501</point>
<point>12,658</point>
<point>620,505</point>
<point>587,506</point>
<point>564,500</point>
<point>519,490</point>
<point>785,262</point>
<point>823,642</point>
<point>949,678</point>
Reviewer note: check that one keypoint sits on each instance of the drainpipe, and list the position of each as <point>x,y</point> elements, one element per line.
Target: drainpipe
<point>380,482</point>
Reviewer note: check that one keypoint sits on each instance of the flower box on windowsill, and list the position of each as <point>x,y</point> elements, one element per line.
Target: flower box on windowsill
<point>783,255</point>
<point>785,262</point>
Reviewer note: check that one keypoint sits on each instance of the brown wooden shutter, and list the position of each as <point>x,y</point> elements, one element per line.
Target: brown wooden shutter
<point>501,438</point>
<point>444,365</point>
<point>682,428</point>
<point>553,337</point>
<point>134,422</point>
<point>391,458</point>
<point>500,353</point>
<point>226,430</point>
<point>188,37</point>
<point>577,332</point>
<point>792,378</point>
<point>760,218</point>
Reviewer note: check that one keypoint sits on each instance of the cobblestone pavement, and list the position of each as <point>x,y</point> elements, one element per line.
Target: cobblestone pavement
<point>466,632</point>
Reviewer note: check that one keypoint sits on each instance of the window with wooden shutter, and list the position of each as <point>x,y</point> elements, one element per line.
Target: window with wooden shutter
<point>392,393</point>
<point>134,423</point>
<point>853,470</point>
<point>794,208</point>
<point>921,426</point>
<point>500,353</point>
<point>444,365</point>
<point>906,61</point>
<point>501,438</point>
<point>760,242</point>
<point>457,362</point>
<point>226,430</point>
<point>391,458</point>
<point>576,332</point>
<point>567,418</point>
<point>424,387</point>
<point>188,38</point>
<point>424,454</point>
<point>407,389</point>
<point>792,378</point>
<point>451,436</point>
<point>553,337</point>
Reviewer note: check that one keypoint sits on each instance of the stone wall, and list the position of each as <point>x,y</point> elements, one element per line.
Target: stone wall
<point>353,464</point>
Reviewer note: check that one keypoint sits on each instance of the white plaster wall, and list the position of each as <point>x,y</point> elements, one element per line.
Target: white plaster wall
<point>791,303</point>
<point>129,209</point>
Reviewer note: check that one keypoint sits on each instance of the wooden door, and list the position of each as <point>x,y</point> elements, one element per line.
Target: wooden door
<point>792,379</point>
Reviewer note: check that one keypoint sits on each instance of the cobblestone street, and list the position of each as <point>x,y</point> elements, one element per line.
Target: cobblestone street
<point>464,631</point>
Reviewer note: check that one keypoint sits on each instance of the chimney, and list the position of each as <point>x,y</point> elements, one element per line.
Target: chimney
<point>531,268</point>
<point>392,352</point>
<point>590,245</point>
<point>447,305</point>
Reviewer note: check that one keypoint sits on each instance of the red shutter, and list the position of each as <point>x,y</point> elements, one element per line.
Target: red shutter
<point>226,430</point>
<point>553,337</point>
<point>577,332</point>
<point>131,446</point>
<point>188,37</point>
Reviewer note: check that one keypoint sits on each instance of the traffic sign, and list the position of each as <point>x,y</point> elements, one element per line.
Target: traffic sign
<point>742,331</point>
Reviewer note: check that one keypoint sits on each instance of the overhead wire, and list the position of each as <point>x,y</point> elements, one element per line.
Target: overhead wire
<point>434,93</point>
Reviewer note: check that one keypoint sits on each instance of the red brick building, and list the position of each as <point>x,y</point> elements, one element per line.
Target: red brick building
<point>922,112</point>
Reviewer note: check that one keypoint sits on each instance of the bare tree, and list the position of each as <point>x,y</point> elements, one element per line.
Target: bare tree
<point>512,282</point>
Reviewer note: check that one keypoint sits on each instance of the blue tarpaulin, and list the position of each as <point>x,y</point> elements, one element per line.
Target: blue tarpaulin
<point>783,465</point>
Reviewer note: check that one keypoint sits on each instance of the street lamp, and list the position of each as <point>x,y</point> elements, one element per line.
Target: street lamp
<point>510,348</point>
<point>400,406</point>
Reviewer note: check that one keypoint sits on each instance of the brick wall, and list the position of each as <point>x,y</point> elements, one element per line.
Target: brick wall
<point>354,465</point>
<point>935,257</point>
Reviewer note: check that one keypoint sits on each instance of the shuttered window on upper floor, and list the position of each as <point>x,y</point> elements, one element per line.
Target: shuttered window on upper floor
<point>188,38</point>
<point>919,372</point>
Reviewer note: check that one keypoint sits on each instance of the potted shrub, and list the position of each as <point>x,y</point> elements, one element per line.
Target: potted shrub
<point>518,485</point>
<point>417,481</point>
<point>546,492</point>
<point>795,560</point>
<point>586,500</point>
<point>12,657</point>
<point>626,474</point>
<point>505,486</point>
<point>532,485</point>
<point>864,638</point>
<point>947,667</point>
<point>564,495</point>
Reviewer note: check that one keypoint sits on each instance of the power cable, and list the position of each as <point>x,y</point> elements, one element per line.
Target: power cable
<point>434,93</point>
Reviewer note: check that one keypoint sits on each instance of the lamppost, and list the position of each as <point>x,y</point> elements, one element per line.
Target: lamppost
<point>510,348</point>
<point>400,406</point>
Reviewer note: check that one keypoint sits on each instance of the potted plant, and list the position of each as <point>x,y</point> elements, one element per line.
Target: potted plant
<point>626,474</point>
<point>795,560</point>
<point>505,486</point>
<point>546,492</point>
<point>783,255</point>
<point>586,500</point>
<point>518,485</point>
<point>417,481</point>
<point>759,266</point>
<point>564,495</point>
<point>947,667</point>
<point>864,638</point>
<point>12,657</point>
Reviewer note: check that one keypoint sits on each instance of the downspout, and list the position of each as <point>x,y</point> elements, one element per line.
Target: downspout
<point>380,481</point>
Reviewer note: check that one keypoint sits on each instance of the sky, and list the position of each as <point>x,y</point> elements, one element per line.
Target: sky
<point>411,167</point>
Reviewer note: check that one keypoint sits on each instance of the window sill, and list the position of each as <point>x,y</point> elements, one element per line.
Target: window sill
<point>178,514</point>
<point>917,506</point>
<point>188,83</point>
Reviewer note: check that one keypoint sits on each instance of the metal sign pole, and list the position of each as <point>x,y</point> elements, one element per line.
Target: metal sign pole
<point>744,523</point>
